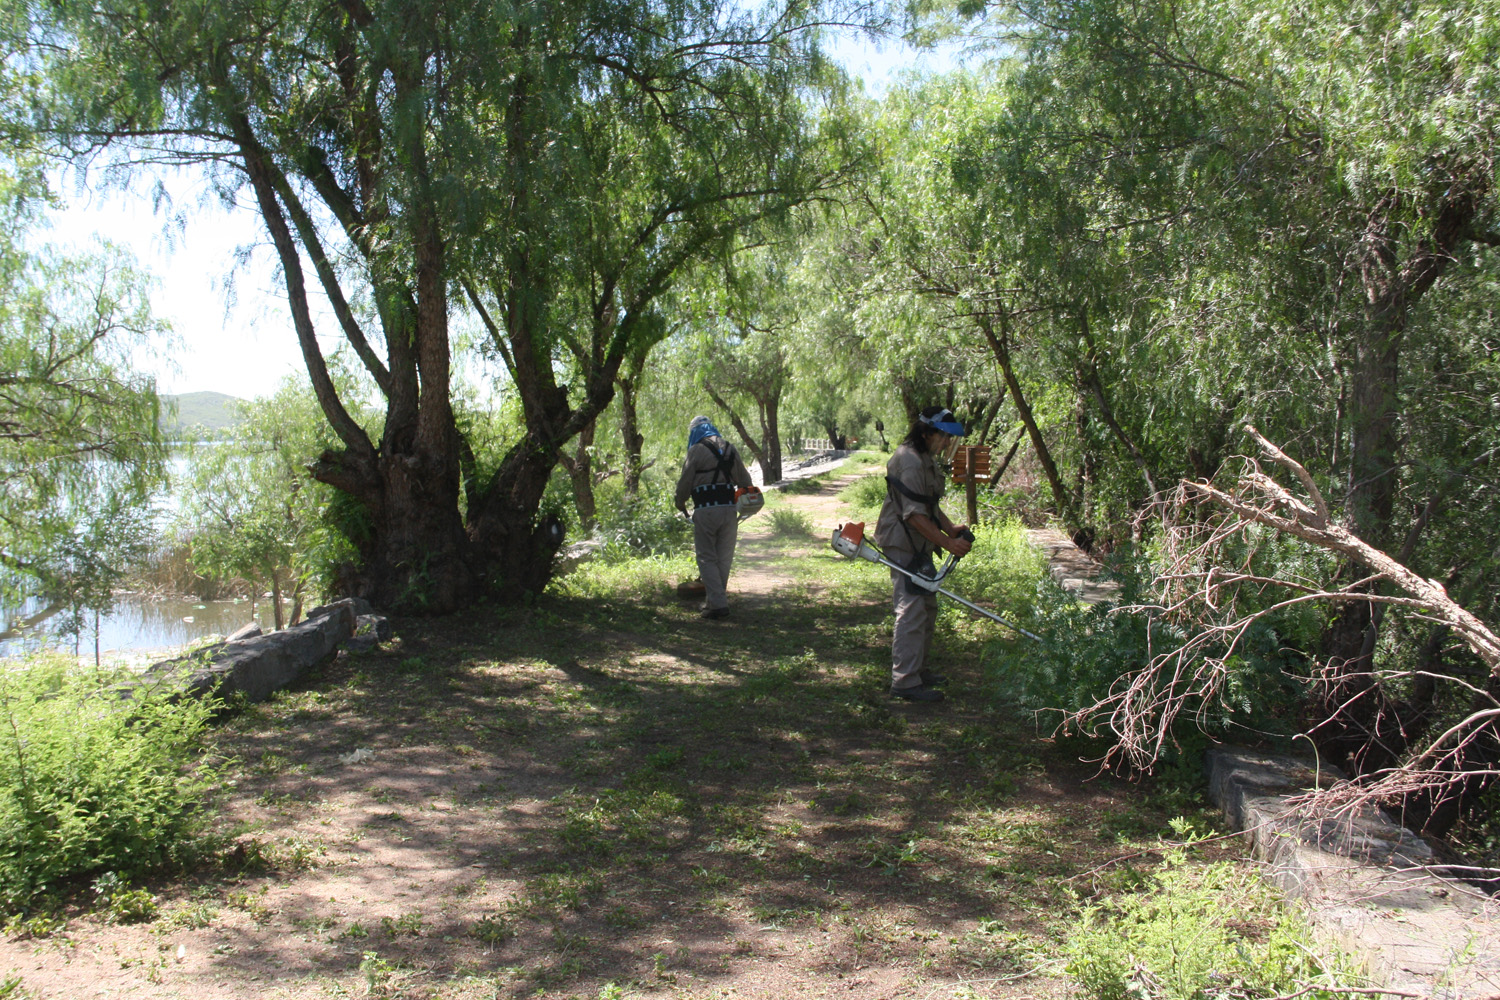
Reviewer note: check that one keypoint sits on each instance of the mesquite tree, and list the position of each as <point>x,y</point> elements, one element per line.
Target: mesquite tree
<point>551,167</point>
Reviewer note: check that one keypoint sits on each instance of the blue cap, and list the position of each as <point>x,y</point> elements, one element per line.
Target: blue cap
<point>944,421</point>
<point>700,428</point>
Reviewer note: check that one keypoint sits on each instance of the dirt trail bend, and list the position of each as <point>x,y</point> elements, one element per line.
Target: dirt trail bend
<point>759,569</point>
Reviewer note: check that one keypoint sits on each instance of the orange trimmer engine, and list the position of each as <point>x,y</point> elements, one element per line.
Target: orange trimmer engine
<point>748,500</point>
<point>849,540</point>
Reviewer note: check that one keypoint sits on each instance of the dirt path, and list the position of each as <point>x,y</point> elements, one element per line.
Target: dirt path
<point>761,569</point>
<point>598,799</point>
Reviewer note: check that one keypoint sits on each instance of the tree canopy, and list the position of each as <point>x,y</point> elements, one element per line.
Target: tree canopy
<point>550,168</point>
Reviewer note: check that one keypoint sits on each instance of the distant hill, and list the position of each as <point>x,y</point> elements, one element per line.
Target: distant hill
<point>212,410</point>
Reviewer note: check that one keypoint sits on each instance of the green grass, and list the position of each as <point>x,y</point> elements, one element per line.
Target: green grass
<point>1193,931</point>
<point>645,578</point>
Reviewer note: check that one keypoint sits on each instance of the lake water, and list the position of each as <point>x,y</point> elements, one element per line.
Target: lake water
<point>139,628</point>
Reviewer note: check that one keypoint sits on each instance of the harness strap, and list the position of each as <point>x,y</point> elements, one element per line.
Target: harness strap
<point>716,493</point>
<point>929,501</point>
<point>911,494</point>
<point>725,467</point>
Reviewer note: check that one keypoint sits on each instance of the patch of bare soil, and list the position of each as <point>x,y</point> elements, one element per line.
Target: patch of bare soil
<point>608,799</point>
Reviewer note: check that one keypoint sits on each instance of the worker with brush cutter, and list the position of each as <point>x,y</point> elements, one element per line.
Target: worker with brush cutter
<point>912,527</point>
<point>713,476</point>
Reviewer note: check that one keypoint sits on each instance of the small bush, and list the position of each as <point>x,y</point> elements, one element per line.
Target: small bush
<point>121,904</point>
<point>788,523</point>
<point>865,496</point>
<point>646,525</point>
<point>1003,569</point>
<point>1198,932</point>
<point>1087,650</point>
<point>644,578</point>
<point>89,781</point>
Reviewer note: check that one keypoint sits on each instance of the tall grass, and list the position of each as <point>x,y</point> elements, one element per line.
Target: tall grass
<point>638,578</point>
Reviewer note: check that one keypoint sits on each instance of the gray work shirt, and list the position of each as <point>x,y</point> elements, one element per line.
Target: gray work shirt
<point>921,474</point>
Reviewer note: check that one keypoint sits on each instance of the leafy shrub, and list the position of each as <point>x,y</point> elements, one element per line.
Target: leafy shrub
<point>90,781</point>
<point>1086,649</point>
<point>1003,568</point>
<point>788,523</point>
<point>121,904</point>
<point>645,525</point>
<point>643,578</point>
<point>1198,932</point>
<point>865,496</point>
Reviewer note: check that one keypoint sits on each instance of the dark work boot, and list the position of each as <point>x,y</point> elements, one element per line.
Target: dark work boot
<point>919,693</point>
<point>931,679</point>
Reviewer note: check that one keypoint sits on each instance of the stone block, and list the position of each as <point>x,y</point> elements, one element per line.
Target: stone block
<point>1369,886</point>
<point>257,666</point>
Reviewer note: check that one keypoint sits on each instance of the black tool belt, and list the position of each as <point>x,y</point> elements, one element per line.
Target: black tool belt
<point>713,495</point>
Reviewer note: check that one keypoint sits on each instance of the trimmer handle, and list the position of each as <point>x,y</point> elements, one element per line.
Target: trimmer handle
<point>952,559</point>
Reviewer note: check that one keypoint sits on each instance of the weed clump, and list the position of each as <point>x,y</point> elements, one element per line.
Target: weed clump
<point>788,523</point>
<point>1198,932</point>
<point>865,496</point>
<point>90,781</point>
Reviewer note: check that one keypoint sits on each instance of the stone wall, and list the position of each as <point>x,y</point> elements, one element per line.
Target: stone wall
<point>1370,887</point>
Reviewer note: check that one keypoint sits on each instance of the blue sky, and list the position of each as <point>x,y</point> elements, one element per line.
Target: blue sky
<point>215,279</point>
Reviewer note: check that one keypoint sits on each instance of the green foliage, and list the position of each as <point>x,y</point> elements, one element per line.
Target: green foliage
<point>80,451</point>
<point>119,903</point>
<point>581,158</point>
<point>790,524</point>
<point>250,511</point>
<point>653,577</point>
<point>91,781</point>
<point>1003,568</point>
<point>1196,933</point>
<point>647,524</point>
<point>866,496</point>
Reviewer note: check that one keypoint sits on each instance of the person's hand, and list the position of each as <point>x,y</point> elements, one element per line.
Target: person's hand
<point>957,530</point>
<point>958,546</point>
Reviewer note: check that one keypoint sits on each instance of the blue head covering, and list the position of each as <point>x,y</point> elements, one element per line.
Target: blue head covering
<point>944,421</point>
<point>700,428</point>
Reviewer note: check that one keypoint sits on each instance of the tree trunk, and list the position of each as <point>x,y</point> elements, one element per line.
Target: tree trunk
<point>760,453</point>
<point>276,600</point>
<point>1088,462</point>
<point>1359,727</point>
<point>1090,372</point>
<point>412,544</point>
<point>629,382</point>
<point>580,468</point>
<point>999,470</point>
<point>770,425</point>
<point>1064,497</point>
<point>992,411</point>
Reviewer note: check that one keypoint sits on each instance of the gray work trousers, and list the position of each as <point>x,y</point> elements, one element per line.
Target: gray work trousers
<point>916,620</point>
<point>714,533</point>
